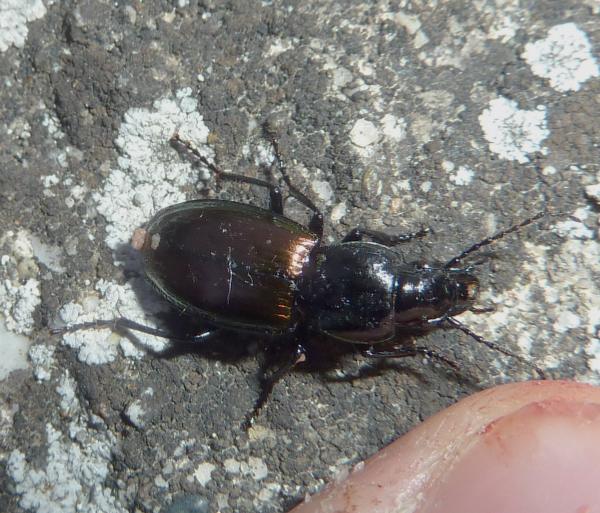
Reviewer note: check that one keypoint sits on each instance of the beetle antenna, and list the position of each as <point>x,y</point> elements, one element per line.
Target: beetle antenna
<point>453,323</point>
<point>490,240</point>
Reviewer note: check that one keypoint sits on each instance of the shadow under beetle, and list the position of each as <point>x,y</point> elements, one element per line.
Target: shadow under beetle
<point>244,268</point>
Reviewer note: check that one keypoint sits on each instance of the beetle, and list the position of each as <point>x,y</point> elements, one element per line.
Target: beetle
<point>240,267</point>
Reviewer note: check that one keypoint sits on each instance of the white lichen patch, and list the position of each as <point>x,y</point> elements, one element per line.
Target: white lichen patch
<point>136,410</point>
<point>231,466</point>
<point>513,133</point>
<point>338,212</point>
<point>564,57</point>
<point>19,286</point>
<point>412,24</point>
<point>150,174</point>
<point>323,191</point>
<point>14,16</point>
<point>135,414</point>
<point>448,166</point>
<point>49,180</point>
<point>98,346</point>
<point>268,492</point>
<point>52,124</point>
<point>255,467</point>
<point>76,467</point>
<point>503,27</point>
<point>66,389</point>
<point>393,128</point>
<point>426,186</point>
<point>42,359</point>
<point>364,133</point>
<point>593,192</point>
<point>279,46</point>
<point>592,348</point>
<point>203,472</point>
<point>463,176</point>
<point>574,226</point>
<point>458,46</point>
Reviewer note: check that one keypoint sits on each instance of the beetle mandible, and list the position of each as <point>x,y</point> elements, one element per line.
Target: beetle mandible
<point>244,268</point>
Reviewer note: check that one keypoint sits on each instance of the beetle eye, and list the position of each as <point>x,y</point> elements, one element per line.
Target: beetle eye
<point>472,290</point>
<point>468,287</point>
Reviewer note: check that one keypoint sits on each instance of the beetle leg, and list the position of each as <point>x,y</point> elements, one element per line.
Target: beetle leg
<point>357,234</point>
<point>316,223</point>
<point>121,323</point>
<point>268,382</point>
<point>186,149</point>
<point>353,235</point>
<point>402,352</point>
<point>451,322</point>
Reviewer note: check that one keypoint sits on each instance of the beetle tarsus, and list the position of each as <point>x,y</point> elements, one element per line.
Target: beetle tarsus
<point>482,309</point>
<point>402,352</point>
<point>268,382</point>
<point>357,234</point>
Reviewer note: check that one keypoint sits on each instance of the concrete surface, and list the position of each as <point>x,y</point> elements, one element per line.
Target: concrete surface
<point>462,116</point>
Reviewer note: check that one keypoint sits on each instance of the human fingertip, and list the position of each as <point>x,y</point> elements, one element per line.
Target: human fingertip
<point>530,446</point>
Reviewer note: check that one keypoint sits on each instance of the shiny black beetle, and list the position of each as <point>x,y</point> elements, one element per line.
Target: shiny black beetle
<point>244,268</point>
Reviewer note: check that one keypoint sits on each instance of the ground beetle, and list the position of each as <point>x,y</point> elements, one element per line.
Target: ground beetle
<point>240,267</point>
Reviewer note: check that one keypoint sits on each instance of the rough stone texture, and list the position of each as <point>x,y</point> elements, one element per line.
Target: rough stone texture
<point>391,115</point>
